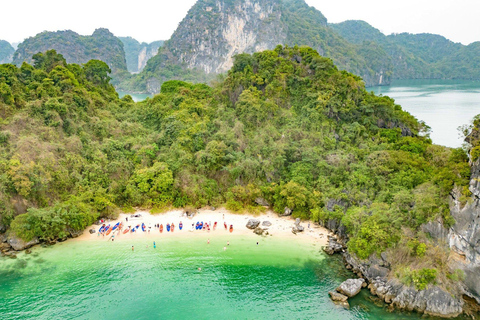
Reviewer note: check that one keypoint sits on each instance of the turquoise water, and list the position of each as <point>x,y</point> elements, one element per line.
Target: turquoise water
<point>106,280</point>
<point>135,96</point>
<point>444,105</point>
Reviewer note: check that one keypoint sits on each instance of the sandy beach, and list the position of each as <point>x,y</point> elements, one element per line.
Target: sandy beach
<point>280,226</point>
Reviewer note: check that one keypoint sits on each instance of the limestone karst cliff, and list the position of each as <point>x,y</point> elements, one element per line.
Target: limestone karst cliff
<point>216,30</point>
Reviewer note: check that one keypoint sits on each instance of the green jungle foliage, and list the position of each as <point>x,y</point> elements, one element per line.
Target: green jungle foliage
<point>284,125</point>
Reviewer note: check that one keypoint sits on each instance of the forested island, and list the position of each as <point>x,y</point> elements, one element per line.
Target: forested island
<point>284,127</point>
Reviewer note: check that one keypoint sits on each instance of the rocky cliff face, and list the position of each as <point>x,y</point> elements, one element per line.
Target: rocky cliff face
<point>101,45</point>
<point>464,236</point>
<point>214,31</point>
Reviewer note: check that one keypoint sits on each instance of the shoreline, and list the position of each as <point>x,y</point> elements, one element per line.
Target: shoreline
<point>281,227</point>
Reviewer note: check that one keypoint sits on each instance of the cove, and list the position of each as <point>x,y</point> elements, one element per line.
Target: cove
<point>275,279</point>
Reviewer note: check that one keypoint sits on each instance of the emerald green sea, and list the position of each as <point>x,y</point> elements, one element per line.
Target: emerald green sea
<point>107,280</point>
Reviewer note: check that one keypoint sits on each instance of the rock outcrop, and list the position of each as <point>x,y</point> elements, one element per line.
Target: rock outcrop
<point>19,245</point>
<point>351,287</point>
<point>339,298</point>
<point>333,246</point>
<point>432,301</point>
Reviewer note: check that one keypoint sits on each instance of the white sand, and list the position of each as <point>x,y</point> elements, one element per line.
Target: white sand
<point>281,226</point>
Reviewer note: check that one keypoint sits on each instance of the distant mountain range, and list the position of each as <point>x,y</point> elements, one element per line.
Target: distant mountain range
<point>213,31</point>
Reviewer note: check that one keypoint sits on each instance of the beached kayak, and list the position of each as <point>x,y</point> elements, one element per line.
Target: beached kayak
<point>231,227</point>
<point>161,228</point>
<point>143,227</point>
<point>180,226</point>
<point>126,230</point>
<point>116,226</point>
<point>172,227</point>
<point>168,227</point>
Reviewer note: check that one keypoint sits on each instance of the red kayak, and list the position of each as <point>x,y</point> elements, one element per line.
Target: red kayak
<point>172,227</point>
<point>126,230</point>
<point>225,225</point>
<point>161,228</point>
<point>215,225</point>
<point>231,228</point>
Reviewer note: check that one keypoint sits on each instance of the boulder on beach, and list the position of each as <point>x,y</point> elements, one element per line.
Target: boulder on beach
<point>258,231</point>
<point>252,224</point>
<point>287,211</point>
<point>266,223</point>
<point>92,231</point>
<point>350,287</point>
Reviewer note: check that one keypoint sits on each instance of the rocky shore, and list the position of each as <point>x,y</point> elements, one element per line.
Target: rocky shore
<point>375,275</point>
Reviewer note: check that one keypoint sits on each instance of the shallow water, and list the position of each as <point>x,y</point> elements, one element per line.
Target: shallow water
<point>135,96</point>
<point>444,105</point>
<point>106,280</point>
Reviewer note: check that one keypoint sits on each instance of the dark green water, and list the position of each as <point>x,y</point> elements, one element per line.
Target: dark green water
<point>106,280</point>
<point>444,105</point>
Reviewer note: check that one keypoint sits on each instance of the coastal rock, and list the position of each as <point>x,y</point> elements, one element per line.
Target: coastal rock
<point>339,299</point>
<point>333,246</point>
<point>74,233</point>
<point>297,221</point>
<point>262,202</point>
<point>18,244</point>
<point>252,224</point>
<point>28,251</point>
<point>92,231</point>
<point>3,237</point>
<point>287,211</point>
<point>351,287</point>
<point>266,223</point>
<point>4,247</point>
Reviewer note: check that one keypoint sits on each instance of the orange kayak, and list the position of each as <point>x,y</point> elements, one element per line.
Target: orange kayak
<point>108,232</point>
<point>172,227</point>
<point>231,228</point>
<point>161,228</point>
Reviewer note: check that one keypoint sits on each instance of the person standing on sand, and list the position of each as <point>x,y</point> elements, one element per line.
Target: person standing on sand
<point>133,249</point>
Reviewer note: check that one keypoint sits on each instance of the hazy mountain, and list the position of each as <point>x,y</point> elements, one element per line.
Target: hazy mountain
<point>101,45</point>
<point>137,54</point>
<point>6,52</point>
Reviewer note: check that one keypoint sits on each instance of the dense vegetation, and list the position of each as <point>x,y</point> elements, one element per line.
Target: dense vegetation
<point>6,51</point>
<point>284,125</point>
<point>101,45</point>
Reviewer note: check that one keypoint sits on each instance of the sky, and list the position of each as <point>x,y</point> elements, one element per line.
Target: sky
<point>150,20</point>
